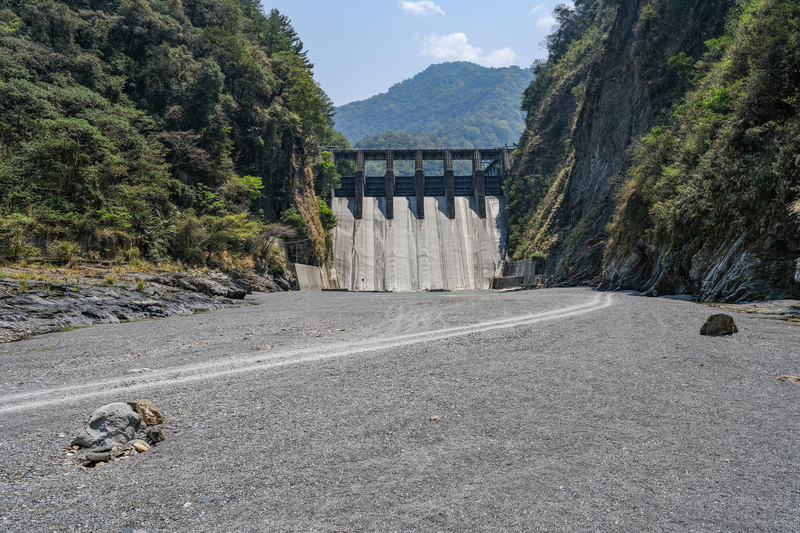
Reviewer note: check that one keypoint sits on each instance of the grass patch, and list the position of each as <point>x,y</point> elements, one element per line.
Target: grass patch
<point>64,329</point>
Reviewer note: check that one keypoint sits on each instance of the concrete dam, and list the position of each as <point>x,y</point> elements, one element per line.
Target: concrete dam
<point>438,223</point>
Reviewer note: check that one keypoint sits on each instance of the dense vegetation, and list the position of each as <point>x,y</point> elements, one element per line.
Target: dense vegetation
<point>157,128</point>
<point>456,105</point>
<point>727,162</point>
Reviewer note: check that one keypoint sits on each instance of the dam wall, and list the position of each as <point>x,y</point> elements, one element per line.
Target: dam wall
<point>407,253</point>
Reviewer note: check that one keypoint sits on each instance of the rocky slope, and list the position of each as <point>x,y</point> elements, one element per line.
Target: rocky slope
<point>579,162</point>
<point>33,307</point>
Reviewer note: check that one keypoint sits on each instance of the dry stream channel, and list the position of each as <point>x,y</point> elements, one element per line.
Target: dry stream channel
<point>551,410</point>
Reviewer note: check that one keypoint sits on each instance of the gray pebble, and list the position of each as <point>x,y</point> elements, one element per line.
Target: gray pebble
<point>98,457</point>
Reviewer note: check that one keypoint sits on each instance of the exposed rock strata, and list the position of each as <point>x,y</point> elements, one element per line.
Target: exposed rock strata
<point>616,111</point>
<point>619,108</point>
<point>710,271</point>
<point>29,307</point>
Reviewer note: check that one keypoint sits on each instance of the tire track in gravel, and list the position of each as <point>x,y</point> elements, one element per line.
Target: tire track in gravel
<point>246,364</point>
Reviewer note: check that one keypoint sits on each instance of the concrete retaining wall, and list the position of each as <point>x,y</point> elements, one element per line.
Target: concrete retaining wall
<point>310,278</point>
<point>518,274</point>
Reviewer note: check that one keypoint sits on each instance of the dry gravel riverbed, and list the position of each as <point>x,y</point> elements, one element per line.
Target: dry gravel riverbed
<point>550,410</point>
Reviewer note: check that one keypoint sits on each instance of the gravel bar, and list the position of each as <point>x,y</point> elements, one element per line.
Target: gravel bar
<point>549,410</point>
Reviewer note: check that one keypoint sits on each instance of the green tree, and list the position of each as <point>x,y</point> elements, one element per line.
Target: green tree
<point>130,123</point>
<point>326,177</point>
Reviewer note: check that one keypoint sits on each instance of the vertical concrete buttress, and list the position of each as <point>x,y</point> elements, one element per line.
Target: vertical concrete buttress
<point>449,185</point>
<point>361,184</point>
<point>419,186</point>
<point>389,185</point>
<point>506,165</point>
<point>478,184</point>
<point>333,189</point>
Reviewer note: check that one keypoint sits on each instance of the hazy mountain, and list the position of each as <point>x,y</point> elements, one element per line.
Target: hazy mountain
<point>460,105</point>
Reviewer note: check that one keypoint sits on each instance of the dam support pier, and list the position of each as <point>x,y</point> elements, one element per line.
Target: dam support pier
<point>419,185</point>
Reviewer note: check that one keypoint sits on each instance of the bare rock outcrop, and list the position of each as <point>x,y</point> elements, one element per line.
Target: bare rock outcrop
<point>30,307</point>
<point>710,271</point>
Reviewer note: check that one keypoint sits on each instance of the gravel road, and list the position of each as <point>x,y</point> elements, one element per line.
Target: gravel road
<point>549,410</point>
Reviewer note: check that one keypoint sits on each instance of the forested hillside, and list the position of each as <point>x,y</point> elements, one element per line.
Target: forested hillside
<point>456,105</point>
<point>662,149</point>
<point>158,129</point>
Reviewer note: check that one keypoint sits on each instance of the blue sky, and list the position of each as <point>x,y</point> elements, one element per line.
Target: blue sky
<point>362,47</point>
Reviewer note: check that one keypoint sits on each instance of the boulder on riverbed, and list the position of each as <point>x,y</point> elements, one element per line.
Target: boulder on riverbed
<point>111,425</point>
<point>719,325</point>
<point>117,431</point>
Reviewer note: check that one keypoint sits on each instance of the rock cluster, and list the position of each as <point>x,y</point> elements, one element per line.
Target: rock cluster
<point>119,430</point>
<point>214,284</point>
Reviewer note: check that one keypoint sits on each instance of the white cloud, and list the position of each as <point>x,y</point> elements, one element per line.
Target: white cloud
<point>547,20</point>
<point>537,8</point>
<point>421,8</point>
<point>455,47</point>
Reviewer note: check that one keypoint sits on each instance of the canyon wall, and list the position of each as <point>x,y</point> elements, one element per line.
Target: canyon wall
<point>577,198</point>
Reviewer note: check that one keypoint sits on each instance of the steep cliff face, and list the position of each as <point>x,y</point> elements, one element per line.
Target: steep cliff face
<point>584,201</point>
<point>616,110</point>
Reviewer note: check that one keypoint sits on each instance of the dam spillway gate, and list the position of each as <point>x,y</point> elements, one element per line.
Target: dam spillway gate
<point>412,220</point>
<point>487,172</point>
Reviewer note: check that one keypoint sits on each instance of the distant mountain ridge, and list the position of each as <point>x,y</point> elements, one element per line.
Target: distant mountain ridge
<point>457,105</point>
